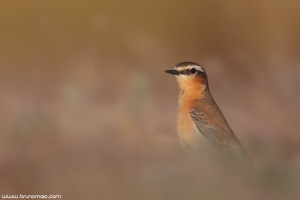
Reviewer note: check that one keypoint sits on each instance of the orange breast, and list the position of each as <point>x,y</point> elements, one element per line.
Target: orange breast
<point>185,126</point>
<point>190,89</point>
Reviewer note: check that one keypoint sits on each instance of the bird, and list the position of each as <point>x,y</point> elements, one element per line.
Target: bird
<point>200,121</point>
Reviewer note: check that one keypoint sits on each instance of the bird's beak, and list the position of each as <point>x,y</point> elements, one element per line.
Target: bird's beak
<point>173,72</point>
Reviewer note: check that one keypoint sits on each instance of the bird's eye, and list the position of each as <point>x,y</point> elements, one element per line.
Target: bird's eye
<point>193,71</point>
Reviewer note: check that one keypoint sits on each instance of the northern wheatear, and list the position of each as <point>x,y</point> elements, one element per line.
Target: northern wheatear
<point>199,119</point>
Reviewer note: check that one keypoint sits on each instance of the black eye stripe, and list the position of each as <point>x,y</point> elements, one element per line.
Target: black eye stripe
<point>183,72</point>
<point>188,72</point>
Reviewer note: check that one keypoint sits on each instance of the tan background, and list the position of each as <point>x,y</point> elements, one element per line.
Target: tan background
<point>88,113</point>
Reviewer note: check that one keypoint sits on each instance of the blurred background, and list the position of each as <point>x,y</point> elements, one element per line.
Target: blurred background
<point>87,111</point>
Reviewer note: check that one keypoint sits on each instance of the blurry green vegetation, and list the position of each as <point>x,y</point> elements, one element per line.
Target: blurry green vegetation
<point>88,113</point>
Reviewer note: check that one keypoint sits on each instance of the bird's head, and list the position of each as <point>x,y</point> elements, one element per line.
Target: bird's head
<point>190,76</point>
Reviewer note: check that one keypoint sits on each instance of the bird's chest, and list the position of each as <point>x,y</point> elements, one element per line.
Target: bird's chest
<point>187,130</point>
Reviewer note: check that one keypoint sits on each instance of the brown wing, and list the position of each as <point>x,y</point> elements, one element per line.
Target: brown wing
<point>213,129</point>
<point>216,129</point>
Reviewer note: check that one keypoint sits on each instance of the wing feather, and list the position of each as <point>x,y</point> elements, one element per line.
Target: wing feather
<point>218,133</point>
